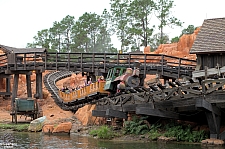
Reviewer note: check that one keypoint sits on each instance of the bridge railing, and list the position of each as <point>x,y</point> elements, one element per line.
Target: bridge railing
<point>117,58</point>
<point>89,61</point>
<point>26,61</point>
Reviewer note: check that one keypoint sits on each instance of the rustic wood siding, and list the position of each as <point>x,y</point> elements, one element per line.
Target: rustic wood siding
<point>210,60</point>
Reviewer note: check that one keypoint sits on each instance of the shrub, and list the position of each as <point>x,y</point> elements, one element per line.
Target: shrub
<point>103,132</point>
<point>136,126</point>
<point>184,133</point>
<point>154,132</point>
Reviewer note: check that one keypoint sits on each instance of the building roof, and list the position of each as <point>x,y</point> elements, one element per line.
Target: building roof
<point>211,37</point>
<point>7,49</point>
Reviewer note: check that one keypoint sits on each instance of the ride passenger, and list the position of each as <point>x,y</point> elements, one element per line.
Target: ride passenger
<point>100,79</point>
<point>89,82</point>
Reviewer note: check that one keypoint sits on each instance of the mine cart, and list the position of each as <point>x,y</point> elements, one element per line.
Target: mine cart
<point>27,107</point>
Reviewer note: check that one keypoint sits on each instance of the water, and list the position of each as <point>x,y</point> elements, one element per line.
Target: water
<point>26,140</point>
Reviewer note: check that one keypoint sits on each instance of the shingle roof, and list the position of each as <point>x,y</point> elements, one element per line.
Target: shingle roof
<point>7,49</point>
<point>211,37</point>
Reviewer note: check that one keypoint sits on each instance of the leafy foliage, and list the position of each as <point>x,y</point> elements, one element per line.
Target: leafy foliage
<point>175,39</point>
<point>184,133</point>
<point>104,132</point>
<point>136,126</point>
<point>189,30</point>
<point>163,13</point>
<point>154,132</point>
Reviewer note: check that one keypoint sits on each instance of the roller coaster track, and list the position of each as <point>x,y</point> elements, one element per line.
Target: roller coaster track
<point>50,80</point>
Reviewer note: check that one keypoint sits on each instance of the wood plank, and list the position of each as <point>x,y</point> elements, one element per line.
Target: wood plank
<point>187,108</point>
<point>115,113</point>
<point>156,112</point>
<point>201,103</point>
<point>98,113</point>
<point>5,93</point>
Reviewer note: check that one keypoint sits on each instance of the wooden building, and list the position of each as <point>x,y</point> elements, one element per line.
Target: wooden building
<point>12,56</point>
<point>209,45</point>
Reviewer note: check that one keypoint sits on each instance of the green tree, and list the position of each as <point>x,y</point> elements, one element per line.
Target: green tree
<point>60,34</point>
<point>120,20</point>
<point>189,30</point>
<point>56,36</point>
<point>175,39</point>
<point>90,33</point>
<point>163,13</point>
<point>66,27</point>
<point>140,12</point>
<point>42,39</point>
<point>104,38</point>
<point>86,31</point>
<point>156,40</point>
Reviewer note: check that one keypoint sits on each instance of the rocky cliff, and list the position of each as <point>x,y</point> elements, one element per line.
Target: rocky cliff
<point>180,49</point>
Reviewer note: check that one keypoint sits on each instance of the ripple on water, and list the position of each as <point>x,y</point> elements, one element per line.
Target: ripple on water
<point>26,140</point>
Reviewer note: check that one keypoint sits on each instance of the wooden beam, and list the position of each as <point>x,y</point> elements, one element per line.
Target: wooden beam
<point>5,76</point>
<point>15,89</point>
<point>8,86</point>
<point>201,103</point>
<point>214,124</point>
<point>156,112</point>
<point>5,93</point>
<point>98,113</point>
<point>27,72</point>
<point>115,113</point>
<point>29,90</point>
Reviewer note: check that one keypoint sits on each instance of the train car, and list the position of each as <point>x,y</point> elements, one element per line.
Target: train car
<point>118,79</point>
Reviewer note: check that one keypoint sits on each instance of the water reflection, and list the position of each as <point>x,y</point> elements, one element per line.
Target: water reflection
<point>24,140</point>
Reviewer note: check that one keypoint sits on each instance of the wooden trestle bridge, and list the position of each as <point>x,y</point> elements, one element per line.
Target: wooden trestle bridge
<point>176,98</point>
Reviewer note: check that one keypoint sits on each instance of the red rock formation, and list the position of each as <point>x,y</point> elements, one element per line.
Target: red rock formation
<point>48,128</point>
<point>180,49</point>
<point>84,115</point>
<point>63,128</point>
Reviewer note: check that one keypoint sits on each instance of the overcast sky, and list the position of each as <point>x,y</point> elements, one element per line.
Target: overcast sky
<point>22,19</point>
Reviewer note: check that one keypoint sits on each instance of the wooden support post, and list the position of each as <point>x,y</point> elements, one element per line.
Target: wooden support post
<point>162,65</point>
<point>29,90</point>
<point>40,85</point>
<point>213,115</point>
<point>8,87</point>
<point>39,93</point>
<point>178,74</point>
<point>206,72</point>
<point>214,124</point>
<point>15,89</point>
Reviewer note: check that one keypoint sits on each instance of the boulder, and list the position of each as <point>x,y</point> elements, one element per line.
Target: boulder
<point>48,128</point>
<point>218,142</point>
<point>37,124</point>
<point>63,128</point>
<point>45,94</point>
<point>84,114</point>
<point>213,141</point>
